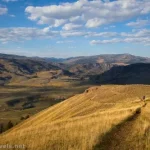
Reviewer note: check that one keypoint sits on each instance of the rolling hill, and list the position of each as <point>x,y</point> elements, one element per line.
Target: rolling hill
<point>94,65</point>
<point>23,70</point>
<point>77,67</point>
<point>108,58</point>
<point>103,117</point>
<point>11,69</point>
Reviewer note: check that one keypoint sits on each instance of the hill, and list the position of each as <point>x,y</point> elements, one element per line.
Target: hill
<point>131,74</point>
<point>80,67</point>
<point>94,65</point>
<point>86,121</point>
<point>86,70</point>
<point>22,70</point>
<point>103,69</point>
<point>108,58</point>
<point>9,56</point>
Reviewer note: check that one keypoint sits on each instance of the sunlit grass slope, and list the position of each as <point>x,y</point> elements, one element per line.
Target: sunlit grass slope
<point>80,122</point>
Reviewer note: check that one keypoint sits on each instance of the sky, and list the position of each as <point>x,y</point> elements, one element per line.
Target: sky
<point>69,28</point>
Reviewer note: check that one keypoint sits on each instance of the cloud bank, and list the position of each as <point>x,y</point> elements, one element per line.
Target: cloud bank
<point>139,37</point>
<point>23,33</point>
<point>90,14</point>
<point>3,10</point>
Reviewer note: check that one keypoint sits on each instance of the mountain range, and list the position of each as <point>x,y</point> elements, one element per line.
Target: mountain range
<point>14,67</point>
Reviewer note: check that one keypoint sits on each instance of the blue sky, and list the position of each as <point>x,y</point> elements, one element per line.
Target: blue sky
<point>64,28</point>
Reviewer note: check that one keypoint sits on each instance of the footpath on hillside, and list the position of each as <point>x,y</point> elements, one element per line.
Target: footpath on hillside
<point>132,134</point>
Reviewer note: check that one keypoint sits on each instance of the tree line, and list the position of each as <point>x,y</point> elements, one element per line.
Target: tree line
<point>9,124</point>
<point>6,127</point>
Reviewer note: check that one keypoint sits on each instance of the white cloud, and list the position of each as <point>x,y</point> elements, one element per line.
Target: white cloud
<point>12,15</point>
<point>22,33</point>
<point>52,22</point>
<point>109,27</point>
<point>137,34</point>
<point>9,1</point>
<point>139,37</point>
<point>77,19</point>
<point>101,34</point>
<point>3,11</point>
<point>71,26</point>
<point>91,13</point>
<point>138,23</point>
<point>62,42</point>
<point>95,22</point>
<point>96,42</point>
<point>72,33</point>
<point>71,47</point>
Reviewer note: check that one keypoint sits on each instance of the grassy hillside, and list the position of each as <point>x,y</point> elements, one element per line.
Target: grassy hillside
<point>29,72</point>
<point>59,78</point>
<point>22,69</point>
<point>86,121</point>
<point>131,74</point>
<point>20,101</point>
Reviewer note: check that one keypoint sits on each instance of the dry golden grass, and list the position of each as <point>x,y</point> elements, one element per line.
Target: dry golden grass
<point>43,78</point>
<point>82,121</point>
<point>76,133</point>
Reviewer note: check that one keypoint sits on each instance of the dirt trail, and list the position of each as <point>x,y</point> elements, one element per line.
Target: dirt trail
<point>133,134</point>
